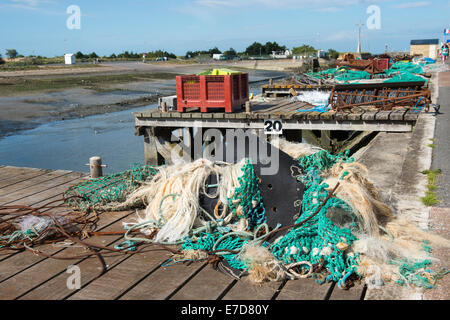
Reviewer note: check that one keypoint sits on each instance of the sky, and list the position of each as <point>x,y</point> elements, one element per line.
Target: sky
<point>40,27</point>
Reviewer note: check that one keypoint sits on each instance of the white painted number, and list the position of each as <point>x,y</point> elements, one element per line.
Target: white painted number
<point>273,127</point>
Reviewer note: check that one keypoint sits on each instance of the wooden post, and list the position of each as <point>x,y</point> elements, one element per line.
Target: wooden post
<point>310,137</point>
<point>164,145</point>
<point>95,165</point>
<point>248,107</point>
<point>325,139</point>
<point>293,92</point>
<point>150,151</point>
<point>163,106</point>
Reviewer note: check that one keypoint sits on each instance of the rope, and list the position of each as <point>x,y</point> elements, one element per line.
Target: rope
<point>417,109</point>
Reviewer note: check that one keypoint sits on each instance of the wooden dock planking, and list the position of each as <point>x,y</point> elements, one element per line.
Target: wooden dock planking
<point>24,185</point>
<point>246,290</point>
<point>356,115</point>
<point>47,268</point>
<point>23,189</point>
<point>160,284</point>
<point>383,115</point>
<point>304,289</point>
<point>45,183</point>
<point>369,115</point>
<point>38,198</point>
<point>283,109</point>
<point>8,172</point>
<point>122,277</point>
<point>354,293</point>
<point>289,111</point>
<point>397,115</point>
<point>410,115</point>
<point>27,261</point>
<point>25,175</point>
<point>55,287</point>
<point>208,284</point>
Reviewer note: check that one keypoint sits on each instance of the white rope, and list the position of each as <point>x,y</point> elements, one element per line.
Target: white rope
<point>172,197</point>
<point>298,275</point>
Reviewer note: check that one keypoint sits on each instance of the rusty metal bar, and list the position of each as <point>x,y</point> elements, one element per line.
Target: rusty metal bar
<point>408,101</point>
<point>383,96</point>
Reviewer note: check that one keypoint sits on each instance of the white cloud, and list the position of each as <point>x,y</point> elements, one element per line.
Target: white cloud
<point>42,6</point>
<point>407,5</point>
<point>32,3</point>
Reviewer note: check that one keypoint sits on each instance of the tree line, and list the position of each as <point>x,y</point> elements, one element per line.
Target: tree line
<point>255,49</point>
<point>127,55</point>
<point>259,49</point>
<point>307,50</point>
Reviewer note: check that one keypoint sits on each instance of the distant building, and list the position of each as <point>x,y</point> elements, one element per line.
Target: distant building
<point>69,58</point>
<point>281,54</point>
<point>218,56</point>
<point>427,48</point>
<point>321,54</point>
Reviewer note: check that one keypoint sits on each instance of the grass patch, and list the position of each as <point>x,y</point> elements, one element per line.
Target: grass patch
<point>11,68</point>
<point>432,145</point>
<point>18,85</point>
<point>430,198</point>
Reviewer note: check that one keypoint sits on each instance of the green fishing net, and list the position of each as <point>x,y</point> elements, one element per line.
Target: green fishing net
<point>114,188</point>
<point>341,74</point>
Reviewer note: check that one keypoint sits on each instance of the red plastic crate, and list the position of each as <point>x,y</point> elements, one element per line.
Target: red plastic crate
<point>381,63</point>
<point>208,92</point>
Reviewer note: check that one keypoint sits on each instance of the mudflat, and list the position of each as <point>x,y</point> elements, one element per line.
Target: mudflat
<point>29,98</point>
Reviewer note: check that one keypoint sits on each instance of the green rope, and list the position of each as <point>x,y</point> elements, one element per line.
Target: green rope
<point>247,200</point>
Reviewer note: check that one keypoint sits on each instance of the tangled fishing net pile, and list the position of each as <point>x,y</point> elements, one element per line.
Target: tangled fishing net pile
<point>345,231</point>
<point>400,71</point>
